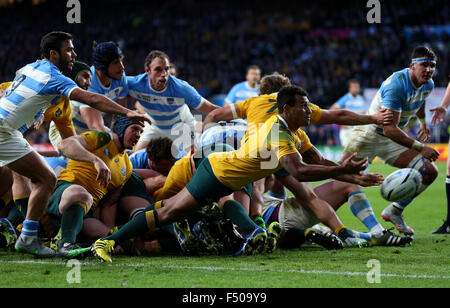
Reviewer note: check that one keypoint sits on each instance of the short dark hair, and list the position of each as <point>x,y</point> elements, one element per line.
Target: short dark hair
<point>53,41</point>
<point>160,148</point>
<point>423,52</point>
<point>353,80</point>
<point>155,54</point>
<point>253,67</point>
<point>273,83</point>
<point>286,96</point>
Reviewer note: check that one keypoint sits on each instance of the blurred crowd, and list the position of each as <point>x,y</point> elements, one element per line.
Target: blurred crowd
<point>318,44</point>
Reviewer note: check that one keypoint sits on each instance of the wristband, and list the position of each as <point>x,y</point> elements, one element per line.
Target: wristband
<point>422,121</point>
<point>418,146</point>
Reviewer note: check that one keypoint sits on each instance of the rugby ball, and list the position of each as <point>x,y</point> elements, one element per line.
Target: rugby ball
<point>401,185</point>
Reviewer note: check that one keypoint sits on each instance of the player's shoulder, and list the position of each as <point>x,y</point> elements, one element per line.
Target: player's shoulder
<point>41,71</point>
<point>177,82</point>
<point>271,98</point>
<point>138,82</point>
<point>397,79</point>
<point>429,85</point>
<point>139,154</point>
<point>44,66</point>
<point>100,139</point>
<point>240,85</point>
<point>178,86</point>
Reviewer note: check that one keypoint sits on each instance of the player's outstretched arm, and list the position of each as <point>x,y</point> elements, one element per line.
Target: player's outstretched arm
<point>93,118</point>
<point>440,111</point>
<point>104,104</point>
<point>220,114</point>
<point>206,106</point>
<point>294,164</point>
<point>313,156</point>
<point>393,132</point>
<point>346,117</point>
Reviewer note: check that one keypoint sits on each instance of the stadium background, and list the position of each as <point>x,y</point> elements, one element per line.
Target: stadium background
<point>319,45</point>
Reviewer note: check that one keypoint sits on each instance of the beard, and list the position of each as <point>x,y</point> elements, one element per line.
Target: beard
<point>65,64</point>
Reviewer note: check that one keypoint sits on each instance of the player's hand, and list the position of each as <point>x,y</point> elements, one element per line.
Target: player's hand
<point>383,117</point>
<point>438,115</point>
<point>139,118</point>
<point>369,179</point>
<point>424,133</point>
<point>430,153</point>
<point>39,122</point>
<point>103,172</point>
<point>353,166</point>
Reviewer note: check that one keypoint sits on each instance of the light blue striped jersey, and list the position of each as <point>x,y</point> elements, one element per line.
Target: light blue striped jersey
<point>240,92</point>
<point>229,133</point>
<point>164,107</point>
<point>116,90</point>
<point>355,104</point>
<point>397,93</point>
<point>37,86</point>
<point>56,163</point>
<point>139,159</point>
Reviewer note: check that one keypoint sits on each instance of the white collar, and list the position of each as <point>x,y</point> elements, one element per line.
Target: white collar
<point>283,120</point>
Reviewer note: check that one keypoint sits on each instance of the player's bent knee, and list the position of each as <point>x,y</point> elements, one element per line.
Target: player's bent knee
<point>351,188</point>
<point>74,195</point>
<point>431,173</point>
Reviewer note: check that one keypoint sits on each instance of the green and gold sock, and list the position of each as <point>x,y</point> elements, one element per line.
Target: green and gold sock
<point>236,212</point>
<point>141,223</point>
<point>72,222</point>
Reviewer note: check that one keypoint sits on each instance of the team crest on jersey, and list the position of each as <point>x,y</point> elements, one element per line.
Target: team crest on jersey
<point>123,171</point>
<point>58,112</point>
<point>116,160</point>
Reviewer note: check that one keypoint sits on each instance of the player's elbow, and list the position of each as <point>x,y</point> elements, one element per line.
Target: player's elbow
<point>63,144</point>
<point>389,131</point>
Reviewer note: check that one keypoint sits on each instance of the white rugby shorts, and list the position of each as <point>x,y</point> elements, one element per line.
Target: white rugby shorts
<point>368,143</point>
<point>13,146</point>
<point>291,214</point>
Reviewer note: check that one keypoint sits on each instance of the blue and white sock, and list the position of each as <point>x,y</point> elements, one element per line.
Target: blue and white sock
<point>361,208</point>
<point>362,235</point>
<point>30,228</point>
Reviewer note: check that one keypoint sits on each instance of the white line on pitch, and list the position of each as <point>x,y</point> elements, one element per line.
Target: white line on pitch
<point>214,268</point>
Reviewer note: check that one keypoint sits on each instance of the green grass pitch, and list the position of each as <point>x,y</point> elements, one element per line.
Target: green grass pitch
<point>424,264</point>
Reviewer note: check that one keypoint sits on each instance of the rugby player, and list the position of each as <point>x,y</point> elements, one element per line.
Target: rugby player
<point>34,89</point>
<point>223,173</point>
<point>404,93</point>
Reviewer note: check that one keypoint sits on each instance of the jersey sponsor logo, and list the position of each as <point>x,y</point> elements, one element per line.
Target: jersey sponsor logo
<point>419,96</point>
